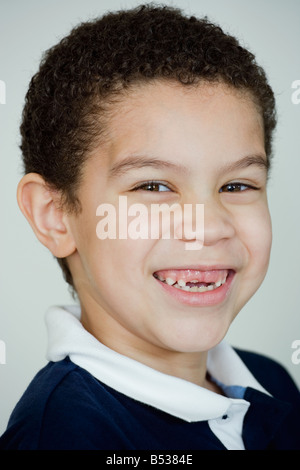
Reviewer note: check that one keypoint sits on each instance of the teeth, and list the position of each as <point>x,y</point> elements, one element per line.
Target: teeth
<point>181,284</point>
<point>202,289</point>
<point>194,289</point>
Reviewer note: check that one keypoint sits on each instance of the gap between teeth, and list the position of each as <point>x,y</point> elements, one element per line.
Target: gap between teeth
<point>180,284</point>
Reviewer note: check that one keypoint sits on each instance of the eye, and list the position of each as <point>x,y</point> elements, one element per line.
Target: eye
<point>236,187</point>
<point>152,186</point>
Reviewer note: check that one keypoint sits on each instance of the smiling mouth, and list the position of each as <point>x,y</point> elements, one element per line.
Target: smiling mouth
<point>191,280</point>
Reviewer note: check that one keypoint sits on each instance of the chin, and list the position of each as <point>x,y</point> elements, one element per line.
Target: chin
<point>195,340</point>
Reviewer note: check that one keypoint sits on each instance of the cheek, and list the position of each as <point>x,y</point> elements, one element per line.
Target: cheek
<point>110,251</point>
<point>118,262</point>
<point>255,230</point>
<point>116,279</point>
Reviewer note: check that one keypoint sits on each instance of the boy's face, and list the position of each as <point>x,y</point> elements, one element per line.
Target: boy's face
<point>169,144</point>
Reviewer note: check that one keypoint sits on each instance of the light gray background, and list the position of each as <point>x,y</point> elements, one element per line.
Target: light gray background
<point>30,279</point>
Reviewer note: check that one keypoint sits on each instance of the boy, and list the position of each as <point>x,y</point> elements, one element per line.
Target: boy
<point>154,108</point>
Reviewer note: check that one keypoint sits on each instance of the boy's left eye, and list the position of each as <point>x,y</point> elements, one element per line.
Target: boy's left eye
<point>153,186</point>
<point>235,187</point>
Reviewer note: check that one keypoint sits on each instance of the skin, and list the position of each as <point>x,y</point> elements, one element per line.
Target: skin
<point>203,131</point>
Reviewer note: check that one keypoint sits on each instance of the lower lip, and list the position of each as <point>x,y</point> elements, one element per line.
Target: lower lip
<point>200,299</point>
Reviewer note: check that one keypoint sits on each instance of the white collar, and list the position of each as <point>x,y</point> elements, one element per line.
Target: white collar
<point>187,401</point>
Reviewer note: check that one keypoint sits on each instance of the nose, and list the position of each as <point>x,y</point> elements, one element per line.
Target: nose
<point>205,225</point>
<point>218,223</point>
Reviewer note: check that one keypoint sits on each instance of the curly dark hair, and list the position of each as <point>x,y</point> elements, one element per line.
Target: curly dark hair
<point>69,97</point>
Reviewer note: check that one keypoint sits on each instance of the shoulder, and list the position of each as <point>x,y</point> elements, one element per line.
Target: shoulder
<point>24,427</point>
<point>61,399</point>
<point>272,421</point>
<point>271,375</point>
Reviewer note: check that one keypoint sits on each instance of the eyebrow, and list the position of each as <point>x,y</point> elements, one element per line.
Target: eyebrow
<point>259,160</point>
<point>137,162</point>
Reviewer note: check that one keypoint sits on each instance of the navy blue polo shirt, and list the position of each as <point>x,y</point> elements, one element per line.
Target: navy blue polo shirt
<point>67,406</point>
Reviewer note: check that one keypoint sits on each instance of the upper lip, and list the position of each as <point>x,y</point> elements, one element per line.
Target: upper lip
<point>198,267</point>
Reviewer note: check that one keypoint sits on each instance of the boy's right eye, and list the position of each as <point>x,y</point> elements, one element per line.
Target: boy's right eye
<point>153,186</point>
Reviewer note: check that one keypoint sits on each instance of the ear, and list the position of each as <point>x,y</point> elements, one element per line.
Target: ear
<point>48,220</point>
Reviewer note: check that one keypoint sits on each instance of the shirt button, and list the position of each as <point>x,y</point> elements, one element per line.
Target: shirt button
<point>224,419</point>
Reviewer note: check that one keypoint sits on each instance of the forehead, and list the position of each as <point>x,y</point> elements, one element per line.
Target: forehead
<point>172,121</point>
<point>170,104</point>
